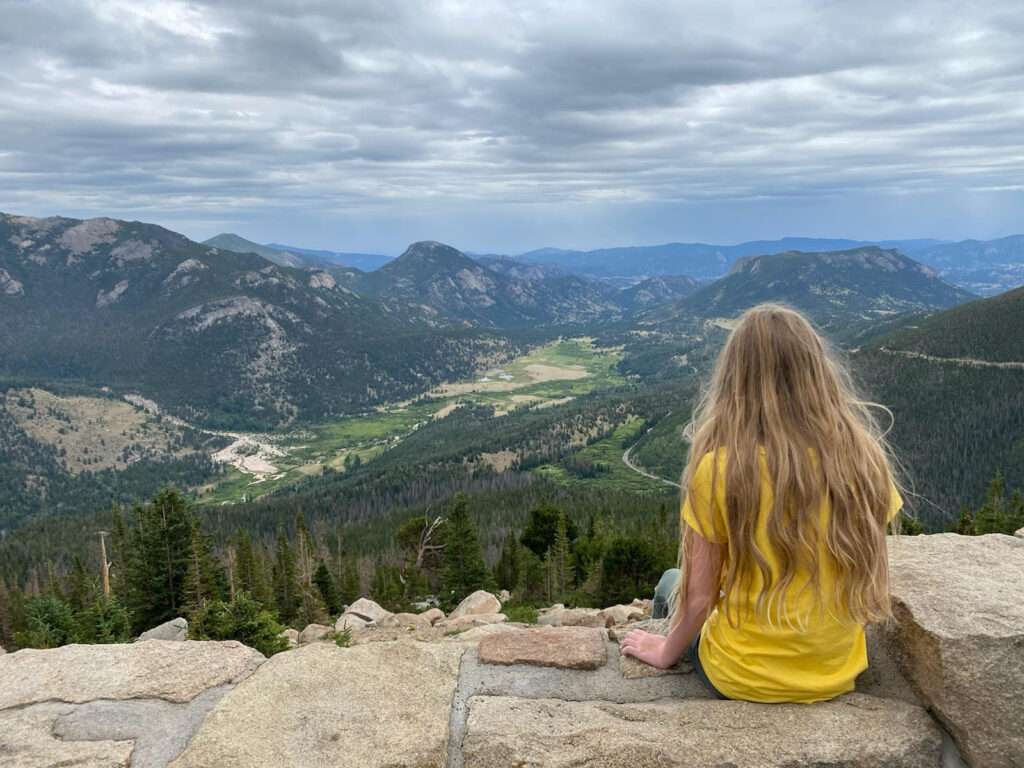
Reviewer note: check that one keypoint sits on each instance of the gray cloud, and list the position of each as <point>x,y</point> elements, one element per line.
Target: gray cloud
<point>351,124</point>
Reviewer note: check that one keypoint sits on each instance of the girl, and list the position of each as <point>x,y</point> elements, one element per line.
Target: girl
<point>783,553</point>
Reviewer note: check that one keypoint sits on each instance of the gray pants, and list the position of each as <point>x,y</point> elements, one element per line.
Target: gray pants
<point>661,610</point>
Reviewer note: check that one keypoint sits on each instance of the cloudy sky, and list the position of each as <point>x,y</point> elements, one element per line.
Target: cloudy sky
<point>505,126</point>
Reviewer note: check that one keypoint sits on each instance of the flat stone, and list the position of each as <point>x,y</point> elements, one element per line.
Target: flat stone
<point>27,741</point>
<point>155,669</point>
<point>564,647</point>
<point>959,637</point>
<point>854,731</point>
<point>159,729</point>
<point>175,629</point>
<point>312,633</point>
<point>373,705</point>
<point>480,601</point>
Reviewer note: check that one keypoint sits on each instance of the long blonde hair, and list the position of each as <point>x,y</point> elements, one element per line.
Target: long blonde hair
<point>777,387</point>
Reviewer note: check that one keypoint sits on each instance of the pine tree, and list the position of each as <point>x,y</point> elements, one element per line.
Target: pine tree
<point>463,569</point>
<point>560,565</point>
<point>155,559</point>
<point>200,583</point>
<point>506,572</point>
<point>350,588</point>
<point>311,604</point>
<point>286,590</point>
<point>328,592</point>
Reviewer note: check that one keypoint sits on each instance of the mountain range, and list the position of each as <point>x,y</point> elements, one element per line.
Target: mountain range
<point>227,338</point>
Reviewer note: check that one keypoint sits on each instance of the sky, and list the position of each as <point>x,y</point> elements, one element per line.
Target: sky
<point>507,126</point>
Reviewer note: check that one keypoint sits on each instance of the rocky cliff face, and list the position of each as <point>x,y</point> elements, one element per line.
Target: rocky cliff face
<point>503,695</point>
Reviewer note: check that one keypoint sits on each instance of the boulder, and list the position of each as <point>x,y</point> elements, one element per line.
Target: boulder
<point>853,731</point>
<point>572,617</point>
<point>551,617</point>
<point>434,615</point>
<point>368,609</point>
<point>353,621</point>
<point>621,614</point>
<point>312,633</point>
<point>291,635</point>
<point>480,601</point>
<point>156,669</point>
<point>2,651</point>
<point>406,620</point>
<point>175,629</point>
<point>459,623</point>
<point>504,596</point>
<point>959,637</point>
<point>565,647</point>
<point>1019,533</point>
<point>372,705</point>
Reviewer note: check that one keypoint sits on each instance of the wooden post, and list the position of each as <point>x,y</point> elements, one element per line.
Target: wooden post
<point>106,565</point>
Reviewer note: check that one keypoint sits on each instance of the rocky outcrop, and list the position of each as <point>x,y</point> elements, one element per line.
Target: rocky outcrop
<point>959,637</point>
<point>862,732</point>
<point>506,694</point>
<point>460,623</point>
<point>155,669</point>
<point>175,629</point>
<point>374,705</point>
<point>572,617</point>
<point>478,602</point>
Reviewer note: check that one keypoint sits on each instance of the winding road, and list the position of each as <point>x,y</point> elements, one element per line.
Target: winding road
<point>635,468</point>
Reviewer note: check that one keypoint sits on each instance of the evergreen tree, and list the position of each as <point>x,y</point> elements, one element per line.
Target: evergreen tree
<point>156,559</point>
<point>350,588</point>
<point>328,592</point>
<point>105,621</point>
<point>560,565</point>
<point>387,587</point>
<point>542,527</point>
<point>50,622</point>
<point>200,583</point>
<point>311,604</point>
<point>463,569</point>
<point>286,589</point>
<point>243,619</point>
<point>506,571</point>
<point>80,588</point>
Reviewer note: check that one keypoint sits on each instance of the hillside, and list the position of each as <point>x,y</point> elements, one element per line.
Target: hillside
<point>212,335</point>
<point>364,262</point>
<point>833,288</point>
<point>991,329</point>
<point>658,290</point>
<point>458,289</point>
<point>232,242</point>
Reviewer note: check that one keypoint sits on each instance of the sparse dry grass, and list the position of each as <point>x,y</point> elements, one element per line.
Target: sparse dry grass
<point>93,433</point>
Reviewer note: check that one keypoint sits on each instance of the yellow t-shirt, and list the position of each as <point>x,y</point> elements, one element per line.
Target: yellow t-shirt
<point>778,663</point>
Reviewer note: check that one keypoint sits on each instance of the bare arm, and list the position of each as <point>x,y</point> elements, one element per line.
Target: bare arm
<point>702,589</point>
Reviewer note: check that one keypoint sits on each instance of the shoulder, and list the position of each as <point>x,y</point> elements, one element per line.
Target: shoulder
<point>711,466</point>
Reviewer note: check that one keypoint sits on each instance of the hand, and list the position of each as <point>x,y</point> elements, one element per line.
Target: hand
<point>647,648</point>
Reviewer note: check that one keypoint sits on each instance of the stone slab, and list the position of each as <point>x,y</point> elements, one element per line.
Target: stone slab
<point>27,741</point>
<point>564,647</point>
<point>959,637</point>
<point>854,731</point>
<point>372,705</point>
<point>154,669</point>
<point>159,729</point>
